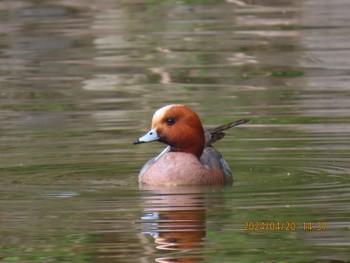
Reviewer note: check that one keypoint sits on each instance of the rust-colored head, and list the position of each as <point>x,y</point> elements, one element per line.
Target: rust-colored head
<point>179,127</point>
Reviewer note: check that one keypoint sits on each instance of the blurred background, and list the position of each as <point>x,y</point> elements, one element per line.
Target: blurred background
<point>79,81</point>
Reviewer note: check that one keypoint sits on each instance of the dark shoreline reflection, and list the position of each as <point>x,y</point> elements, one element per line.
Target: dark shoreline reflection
<point>176,218</point>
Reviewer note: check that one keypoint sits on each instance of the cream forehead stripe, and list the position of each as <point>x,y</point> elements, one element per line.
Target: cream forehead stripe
<point>159,114</point>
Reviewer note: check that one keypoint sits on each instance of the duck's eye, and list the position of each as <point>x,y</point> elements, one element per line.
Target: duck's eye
<point>170,121</point>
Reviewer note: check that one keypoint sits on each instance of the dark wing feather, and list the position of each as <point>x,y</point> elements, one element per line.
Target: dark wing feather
<point>214,134</point>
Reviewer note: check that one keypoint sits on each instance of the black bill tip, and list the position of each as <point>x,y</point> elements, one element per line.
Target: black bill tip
<point>137,141</point>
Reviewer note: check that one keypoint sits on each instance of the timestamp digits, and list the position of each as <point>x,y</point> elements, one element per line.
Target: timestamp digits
<point>270,226</point>
<point>315,226</point>
<point>284,226</point>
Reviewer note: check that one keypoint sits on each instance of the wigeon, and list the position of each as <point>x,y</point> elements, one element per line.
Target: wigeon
<point>189,158</point>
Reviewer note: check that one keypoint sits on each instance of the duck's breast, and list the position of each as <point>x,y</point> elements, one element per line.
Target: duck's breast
<point>179,168</point>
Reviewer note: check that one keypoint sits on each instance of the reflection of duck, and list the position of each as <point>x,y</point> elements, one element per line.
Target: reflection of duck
<point>176,218</point>
<point>177,230</point>
<point>189,158</point>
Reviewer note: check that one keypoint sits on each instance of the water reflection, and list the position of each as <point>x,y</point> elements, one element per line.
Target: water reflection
<point>176,218</point>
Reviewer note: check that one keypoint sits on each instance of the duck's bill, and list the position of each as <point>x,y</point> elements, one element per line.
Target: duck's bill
<point>150,136</point>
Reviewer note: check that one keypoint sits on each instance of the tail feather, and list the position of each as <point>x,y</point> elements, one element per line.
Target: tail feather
<point>215,134</point>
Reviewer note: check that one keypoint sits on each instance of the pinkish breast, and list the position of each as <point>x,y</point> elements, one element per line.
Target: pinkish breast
<point>178,168</point>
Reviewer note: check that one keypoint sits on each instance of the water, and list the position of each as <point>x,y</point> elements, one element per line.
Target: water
<point>78,83</point>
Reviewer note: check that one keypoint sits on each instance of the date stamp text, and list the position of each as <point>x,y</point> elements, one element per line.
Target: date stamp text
<point>284,226</point>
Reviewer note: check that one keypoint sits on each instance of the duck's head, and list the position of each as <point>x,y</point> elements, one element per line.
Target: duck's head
<point>177,126</point>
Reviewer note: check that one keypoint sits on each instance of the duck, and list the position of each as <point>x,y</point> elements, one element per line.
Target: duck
<point>189,157</point>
